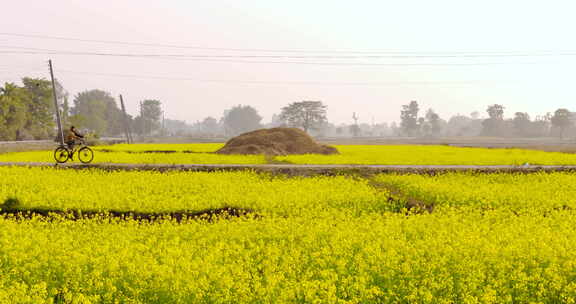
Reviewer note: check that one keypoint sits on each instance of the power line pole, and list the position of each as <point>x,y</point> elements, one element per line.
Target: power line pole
<point>126,123</point>
<point>142,125</point>
<point>56,107</point>
<point>163,123</point>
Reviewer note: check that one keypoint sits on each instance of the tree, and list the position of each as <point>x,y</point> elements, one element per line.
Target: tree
<point>339,130</point>
<point>432,123</point>
<point>150,116</point>
<point>421,123</point>
<point>409,119</point>
<point>522,124</point>
<point>241,119</point>
<point>381,129</point>
<point>63,104</point>
<point>97,110</point>
<point>541,125</point>
<point>65,112</point>
<point>355,130</point>
<point>12,112</point>
<point>496,111</point>
<point>308,115</point>
<point>561,120</point>
<point>210,125</point>
<point>395,130</point>
<point>462,125</point>
<point>139,125</point>
<point>27,112</point>
<point>40,107</point>
<point>494,125</point>
<point>459,125</point>
<point>174,127</point>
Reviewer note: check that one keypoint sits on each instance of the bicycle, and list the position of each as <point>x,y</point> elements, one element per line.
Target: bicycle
<point>63,153</point>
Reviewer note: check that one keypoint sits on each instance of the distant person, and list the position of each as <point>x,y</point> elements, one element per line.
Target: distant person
<point>72,136</point>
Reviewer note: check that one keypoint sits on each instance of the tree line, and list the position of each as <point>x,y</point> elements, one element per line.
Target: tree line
<point>311,117</point>
<point>307,115</point>
<point>561,123</point>
<point>27,112</point>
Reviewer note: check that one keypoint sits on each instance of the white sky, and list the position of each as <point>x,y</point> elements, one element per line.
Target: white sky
<point>535,84</point>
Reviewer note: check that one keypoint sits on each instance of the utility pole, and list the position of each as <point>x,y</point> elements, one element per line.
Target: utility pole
<point>126,123</point>
<point>56,107</point>
<point>142,125</point>
<point>163,123</point>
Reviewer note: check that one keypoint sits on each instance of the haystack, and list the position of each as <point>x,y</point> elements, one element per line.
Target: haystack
<point>275,141</point>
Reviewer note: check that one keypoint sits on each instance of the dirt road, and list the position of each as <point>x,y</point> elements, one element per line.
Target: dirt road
<point>303,169</point>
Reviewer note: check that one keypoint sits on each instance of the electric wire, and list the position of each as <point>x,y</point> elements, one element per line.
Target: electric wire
<point>116,42</point>
<point>40,50</point>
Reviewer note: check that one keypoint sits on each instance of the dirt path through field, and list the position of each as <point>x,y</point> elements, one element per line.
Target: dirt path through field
<point>301,169</point>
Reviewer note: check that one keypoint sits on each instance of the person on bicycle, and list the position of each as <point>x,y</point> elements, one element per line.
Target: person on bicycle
<point>72,136</point>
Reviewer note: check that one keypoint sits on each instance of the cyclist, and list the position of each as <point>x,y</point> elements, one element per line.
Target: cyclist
<point>72,136</point>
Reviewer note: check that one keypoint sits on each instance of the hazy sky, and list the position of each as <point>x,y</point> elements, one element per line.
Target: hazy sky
<point>527,53</point>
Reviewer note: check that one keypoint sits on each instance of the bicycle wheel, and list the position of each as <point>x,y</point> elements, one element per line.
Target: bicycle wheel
<point>61,155</point>
<point>85,155</point>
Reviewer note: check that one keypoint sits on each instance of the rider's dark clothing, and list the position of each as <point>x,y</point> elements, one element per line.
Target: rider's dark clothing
<point>71,137</point>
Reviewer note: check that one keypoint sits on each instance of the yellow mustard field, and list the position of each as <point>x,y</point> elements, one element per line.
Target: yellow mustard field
<point>491,238</point>
<point>431,155</point>
<point>202,153</point>
<point>193,147</point>
<point>437,258</point>
<point>521,193</point>
<point>149,191</point>
<point>140,158</point>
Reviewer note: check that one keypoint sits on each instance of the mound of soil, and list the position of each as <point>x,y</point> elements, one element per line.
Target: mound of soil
<point>275,141</point>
